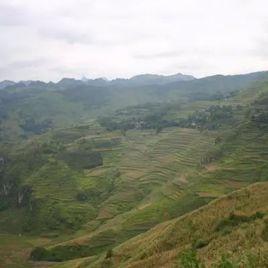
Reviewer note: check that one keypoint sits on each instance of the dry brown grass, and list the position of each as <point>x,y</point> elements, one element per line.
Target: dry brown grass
<point>161,246</point>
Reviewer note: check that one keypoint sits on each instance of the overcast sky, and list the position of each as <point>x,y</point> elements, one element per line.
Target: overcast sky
<point>51,39</point>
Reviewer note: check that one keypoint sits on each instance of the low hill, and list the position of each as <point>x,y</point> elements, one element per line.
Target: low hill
<point>33,107</point>
<point>232,229</point>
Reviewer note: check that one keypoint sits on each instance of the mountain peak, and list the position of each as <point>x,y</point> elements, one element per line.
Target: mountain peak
<point>149,79</point>
<point>6,83</point>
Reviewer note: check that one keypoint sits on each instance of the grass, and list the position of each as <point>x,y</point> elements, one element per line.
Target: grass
<point>13,250</point>
<point>165,242</point>
<point>154,163</point>
<point>145,179</point>
<point>147,175</point>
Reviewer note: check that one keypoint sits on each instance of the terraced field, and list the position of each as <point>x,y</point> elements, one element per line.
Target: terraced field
<point>244,235</point>
<point>150,186</point>
<point>161,162</point>
<point>157,177</point>
<point>143,178</point>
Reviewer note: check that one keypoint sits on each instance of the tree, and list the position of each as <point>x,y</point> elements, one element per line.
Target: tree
<point>158,129</point>
<point>109,254</point>
<point>38,253</point>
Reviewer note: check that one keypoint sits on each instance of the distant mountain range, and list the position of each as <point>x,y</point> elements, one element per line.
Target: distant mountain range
<point>138,80</point>
<point>37,106</point>
<point>151,79</point>
<point>6,83</point>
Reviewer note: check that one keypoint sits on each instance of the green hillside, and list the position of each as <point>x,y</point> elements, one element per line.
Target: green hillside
<point>231,230</point>
<point>34,107</point>
<point>83,186</point>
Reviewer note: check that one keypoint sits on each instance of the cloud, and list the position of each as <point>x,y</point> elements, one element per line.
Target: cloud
<point>11,15</point>
<point>66,35</point>
<point>165,54</point>
<point>49,39</point>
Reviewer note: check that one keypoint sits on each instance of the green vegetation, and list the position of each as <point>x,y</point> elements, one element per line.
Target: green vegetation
<point>189,260</point>
<point>171,241</point>
<point>235,220</point>
<point>128,184</point>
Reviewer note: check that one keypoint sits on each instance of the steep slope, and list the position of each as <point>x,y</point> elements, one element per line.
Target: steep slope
<point>84,190</point>
<point>162,176</point>
<point>235,225</point>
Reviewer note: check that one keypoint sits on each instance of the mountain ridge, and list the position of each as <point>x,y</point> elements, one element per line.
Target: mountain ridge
<point>83,169</point>
<point>142,79</point>
<point>147,80</point>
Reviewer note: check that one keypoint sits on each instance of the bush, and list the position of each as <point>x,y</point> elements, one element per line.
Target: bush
<point>235,220</point>
<point>38,253</point>
<point>265,232</point>
<point>3,204</point>
<point>200,243</point>
<point>82,196</point>
<point>211,118</point>
<point>58,254</point>
<point>190,260</point>
<point>109,254</point>
<point>226,263</point>
<point>82,159</point>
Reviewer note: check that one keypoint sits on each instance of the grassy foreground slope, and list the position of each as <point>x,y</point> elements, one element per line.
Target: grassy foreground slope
<point>234,226</point>
<point>231,230</point>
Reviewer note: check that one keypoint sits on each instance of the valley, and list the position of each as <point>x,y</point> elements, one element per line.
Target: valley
<point>135,175</point>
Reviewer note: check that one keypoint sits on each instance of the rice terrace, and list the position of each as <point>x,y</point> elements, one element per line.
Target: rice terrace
<point>146,171</point>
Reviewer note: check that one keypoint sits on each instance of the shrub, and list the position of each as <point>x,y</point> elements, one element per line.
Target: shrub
<point>38,253</point>
<point>82,196</point>
<point>82,159</point>
<point>235,220</point>
<point>200,243</point>
<point>226,263</point>
<point>3,203</point>
<point>190,260</point>
<point>58,254</point>
<point>264,234</point>
<point>109,254</point>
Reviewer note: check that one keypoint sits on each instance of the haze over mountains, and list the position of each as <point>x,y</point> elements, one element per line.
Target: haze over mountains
<point>135,81</point>
<point>133,134</point>
<point>138,80</point>
<point>98,173</point>
<point>74,101</point>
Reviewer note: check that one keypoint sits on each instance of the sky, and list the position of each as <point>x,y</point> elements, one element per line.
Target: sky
<point>52,39</point>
